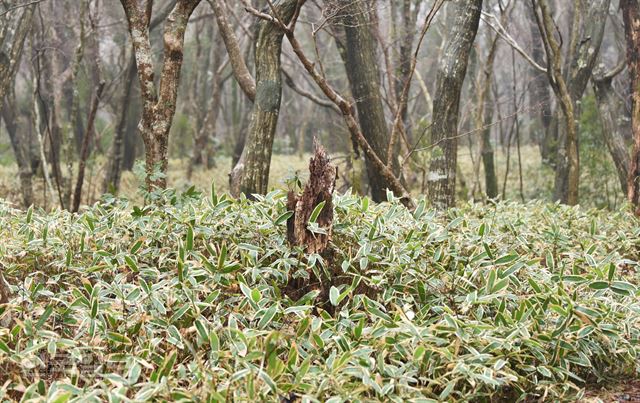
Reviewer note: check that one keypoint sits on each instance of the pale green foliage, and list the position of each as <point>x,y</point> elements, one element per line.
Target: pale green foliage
<point>188,300</point>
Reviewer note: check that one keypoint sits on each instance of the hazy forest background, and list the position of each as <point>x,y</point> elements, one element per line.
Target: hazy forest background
<point>481,95</point>
<point>320,200</point>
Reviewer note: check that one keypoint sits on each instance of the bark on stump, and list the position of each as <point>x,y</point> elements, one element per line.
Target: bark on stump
<point>5,292</point>
<point>319,188</point>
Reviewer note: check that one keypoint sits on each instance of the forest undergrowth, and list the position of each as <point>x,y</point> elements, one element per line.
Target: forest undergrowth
<point>192,298</point>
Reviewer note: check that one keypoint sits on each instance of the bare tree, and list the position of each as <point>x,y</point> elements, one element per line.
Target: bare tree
<point>158,106</point>
<point>355,17</point>
<point>13,31</point>
<point>569,84</point>
<point>441,180</point>
<point>610,109</point>
<point>631,18</point>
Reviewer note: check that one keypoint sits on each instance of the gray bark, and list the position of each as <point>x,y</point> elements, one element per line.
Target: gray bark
<point>251,174</point>
<point>364,80</point>
<point>441,180</point>
<point>611,111</point>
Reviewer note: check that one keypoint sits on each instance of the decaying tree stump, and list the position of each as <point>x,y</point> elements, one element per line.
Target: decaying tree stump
<point>319,188</point>
<point>5,291</point>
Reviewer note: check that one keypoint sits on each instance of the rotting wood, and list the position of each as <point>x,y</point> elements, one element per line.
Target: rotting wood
<point>5,291</point>
<point>319,189</point>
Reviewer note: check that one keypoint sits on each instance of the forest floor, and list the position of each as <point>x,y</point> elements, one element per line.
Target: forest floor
<point>201,296</point>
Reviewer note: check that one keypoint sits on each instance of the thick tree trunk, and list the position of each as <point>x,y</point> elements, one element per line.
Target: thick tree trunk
<point>251,174</point>
<point>631,17</point>
<point>441,179</point>
<point>611,113</point>
<point>364,80</point>
<point>158,108</point>
<point>10,56</point>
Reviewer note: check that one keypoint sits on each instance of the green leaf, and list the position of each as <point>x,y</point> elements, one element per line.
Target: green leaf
<point>599,285</point>
<point>136,247</point>
<point>611,272</point>
<point>506,259</point>
<point>189,242</point>
<point>283,218</point>
<point>316,212</point>
<point>118,338</point>
<point>167,365</point>
<point>623,285</point>
<point>131,263</point>
<point>213,196</point>
<point>255,295</point>
<point>4,348</point>
<point>267,317</point>
<point>222,257</point>
<point>45,315</point>
<point>500,285</point>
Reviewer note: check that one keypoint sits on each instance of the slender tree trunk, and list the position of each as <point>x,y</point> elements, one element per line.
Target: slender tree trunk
<point>584,45</point>
<point>114,172</point>
<point>251,174</point>
<point>10,54</point>
<point>84,153</point>
<point>20,150</point>
<point>403,57</point>
<point>540,97</point>
<point>441,179</point>
<point>611,113</point>
<point>364,80</point>
<point>238,64</point>
<point>484,116</point>
<point>631,17</point>
<point>212,98</point>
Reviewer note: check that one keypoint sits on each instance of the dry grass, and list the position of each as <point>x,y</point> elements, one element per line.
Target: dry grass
<point>537,179</point>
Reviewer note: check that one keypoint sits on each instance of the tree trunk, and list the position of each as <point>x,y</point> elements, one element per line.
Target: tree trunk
<point>403,57</point>
<point>585,42</point>
<point>20,150</point>
<point>540,97</point>
<point>485,114</point>
<point>158,108</point>
<point>114,171</point>
<point>84,153</point>
<point>10,57</point>
<point>441,179</point>
<point>584,45</point>
<point>611,113</point>
<point>631,17</point>
<point>240,70</point>
<point>364,80</point>
<point>251,174</point>
<point>212,98</point>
